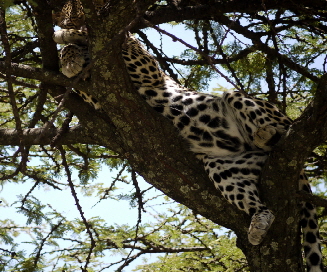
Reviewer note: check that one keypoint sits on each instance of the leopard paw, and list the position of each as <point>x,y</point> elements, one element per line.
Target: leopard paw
<point>266,137</point>
<point>260,224</point>
<point>72,60</point>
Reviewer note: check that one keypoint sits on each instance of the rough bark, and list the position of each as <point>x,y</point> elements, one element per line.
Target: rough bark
<point>152,145</point>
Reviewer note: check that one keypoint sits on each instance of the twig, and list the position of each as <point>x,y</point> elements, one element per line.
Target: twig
<point>28,193</point>
<point>255,38</point>
<point>159,57</point>
<point>106,192</point>
<point>64,129</point>
<point>139,219</point>
<point>220,50</point>
<point>280,62</point>
<point>42,97</point>
<point>208,58</point>
<point>6,45</point>
<point>38,254</point>
<point>79,207</point>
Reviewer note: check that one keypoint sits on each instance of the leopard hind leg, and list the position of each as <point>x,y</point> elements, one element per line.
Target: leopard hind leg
<point>237,177</point>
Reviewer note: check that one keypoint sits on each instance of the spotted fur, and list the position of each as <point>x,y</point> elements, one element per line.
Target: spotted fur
<point>231,134</point>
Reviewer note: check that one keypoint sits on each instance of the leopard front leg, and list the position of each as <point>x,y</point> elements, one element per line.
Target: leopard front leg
<point>263,124</point>
<point>236,177</point>
<point>74,56</point>
<point>73,59</point>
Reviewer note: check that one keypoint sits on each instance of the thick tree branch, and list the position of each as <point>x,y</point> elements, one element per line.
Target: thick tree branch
<point>315,200</point>
<point>31,136</point>
<point>209,11</point>
<point>44,75</point>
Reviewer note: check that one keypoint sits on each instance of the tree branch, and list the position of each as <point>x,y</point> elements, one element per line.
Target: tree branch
<point>30,136</point>
<point>242,54</point>
<point>208,11</point>
<point>44,75</point>
<point>315,200</point>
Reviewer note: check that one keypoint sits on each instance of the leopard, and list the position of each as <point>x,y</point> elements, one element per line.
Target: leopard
<point>232,134</point>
